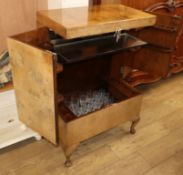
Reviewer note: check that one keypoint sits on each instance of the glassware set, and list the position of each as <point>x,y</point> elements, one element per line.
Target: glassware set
<point>82,103</point>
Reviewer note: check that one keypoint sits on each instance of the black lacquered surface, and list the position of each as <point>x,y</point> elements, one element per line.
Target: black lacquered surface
<point>83,49</point>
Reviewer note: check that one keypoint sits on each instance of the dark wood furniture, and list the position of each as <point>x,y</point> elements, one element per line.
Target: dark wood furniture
<point>157,59</point>
<point>164,55</point>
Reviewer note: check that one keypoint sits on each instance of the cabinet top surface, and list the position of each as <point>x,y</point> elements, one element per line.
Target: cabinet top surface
<point>86,21</point>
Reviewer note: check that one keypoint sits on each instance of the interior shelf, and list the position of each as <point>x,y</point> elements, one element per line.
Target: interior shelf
<point>137,77</point>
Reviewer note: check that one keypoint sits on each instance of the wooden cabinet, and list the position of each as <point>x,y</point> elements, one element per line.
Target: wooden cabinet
<point>39,81</point>
<point>50,77</point>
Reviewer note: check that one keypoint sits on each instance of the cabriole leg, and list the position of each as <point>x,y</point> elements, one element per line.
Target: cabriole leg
<point>133,125</point>
<point>68,150</point>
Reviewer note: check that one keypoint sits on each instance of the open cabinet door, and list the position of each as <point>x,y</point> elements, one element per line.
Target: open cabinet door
<point>33,77</point>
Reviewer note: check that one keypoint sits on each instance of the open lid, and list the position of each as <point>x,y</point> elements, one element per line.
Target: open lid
<point>87,21</point>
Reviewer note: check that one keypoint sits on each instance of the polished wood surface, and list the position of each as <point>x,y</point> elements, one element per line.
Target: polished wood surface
<point>167,33</point>
<point>33,77</point>
<point>84,21</point>
<point>156,149</point>
<point>141,4</point>
<point>127,109</point>
<point>76,130</point>
<point>174,9</point>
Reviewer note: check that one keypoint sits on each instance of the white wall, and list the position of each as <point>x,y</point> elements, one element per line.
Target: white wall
<point>55,4</point>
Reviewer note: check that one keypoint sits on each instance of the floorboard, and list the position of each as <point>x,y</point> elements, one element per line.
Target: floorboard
<point>157,148</point>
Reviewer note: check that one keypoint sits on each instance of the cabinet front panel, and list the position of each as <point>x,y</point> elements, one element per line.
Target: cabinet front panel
<point>33,75</point>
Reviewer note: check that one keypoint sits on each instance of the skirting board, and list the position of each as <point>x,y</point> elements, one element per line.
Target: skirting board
<point>11,129</point>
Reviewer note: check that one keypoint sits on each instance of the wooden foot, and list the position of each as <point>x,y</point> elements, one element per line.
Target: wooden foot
<point>133,125</point>
<point>68,163</point>
<point>68,150</point>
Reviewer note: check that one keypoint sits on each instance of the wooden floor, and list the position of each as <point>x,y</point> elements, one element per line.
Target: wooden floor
<point>156,149</point>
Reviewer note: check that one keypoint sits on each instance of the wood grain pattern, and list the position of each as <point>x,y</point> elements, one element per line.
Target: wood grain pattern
<point>33,74</point>
<point>169,37</point>
<point>141,4</point>
<point>76,130</point>
<point>160,132</point>
<point>34,69</point>
<point>110,1</point>
<point>110,117</point>
<point>84,21</point>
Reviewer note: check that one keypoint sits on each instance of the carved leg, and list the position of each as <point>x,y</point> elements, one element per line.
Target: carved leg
<point>133,125</point>
<point>68,150</point>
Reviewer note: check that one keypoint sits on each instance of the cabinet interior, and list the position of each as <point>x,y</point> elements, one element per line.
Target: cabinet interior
<point>84,70</point>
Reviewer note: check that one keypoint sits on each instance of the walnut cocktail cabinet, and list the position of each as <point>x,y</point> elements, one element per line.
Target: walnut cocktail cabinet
<point>65,79</point>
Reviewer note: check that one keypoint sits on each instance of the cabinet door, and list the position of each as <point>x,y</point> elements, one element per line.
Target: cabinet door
<point>33,77</point>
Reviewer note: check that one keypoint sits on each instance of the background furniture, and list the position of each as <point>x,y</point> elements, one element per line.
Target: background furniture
<point>147,69</point>
<point>156,60</point>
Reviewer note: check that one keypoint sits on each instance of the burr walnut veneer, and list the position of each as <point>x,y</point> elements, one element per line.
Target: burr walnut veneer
<point>46,68</point>
<point>85,21</point>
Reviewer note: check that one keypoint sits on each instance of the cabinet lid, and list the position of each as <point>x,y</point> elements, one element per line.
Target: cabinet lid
<point>87,21</point>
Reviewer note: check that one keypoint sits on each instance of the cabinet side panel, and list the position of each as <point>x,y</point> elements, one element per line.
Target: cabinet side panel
<point>33,78</point>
